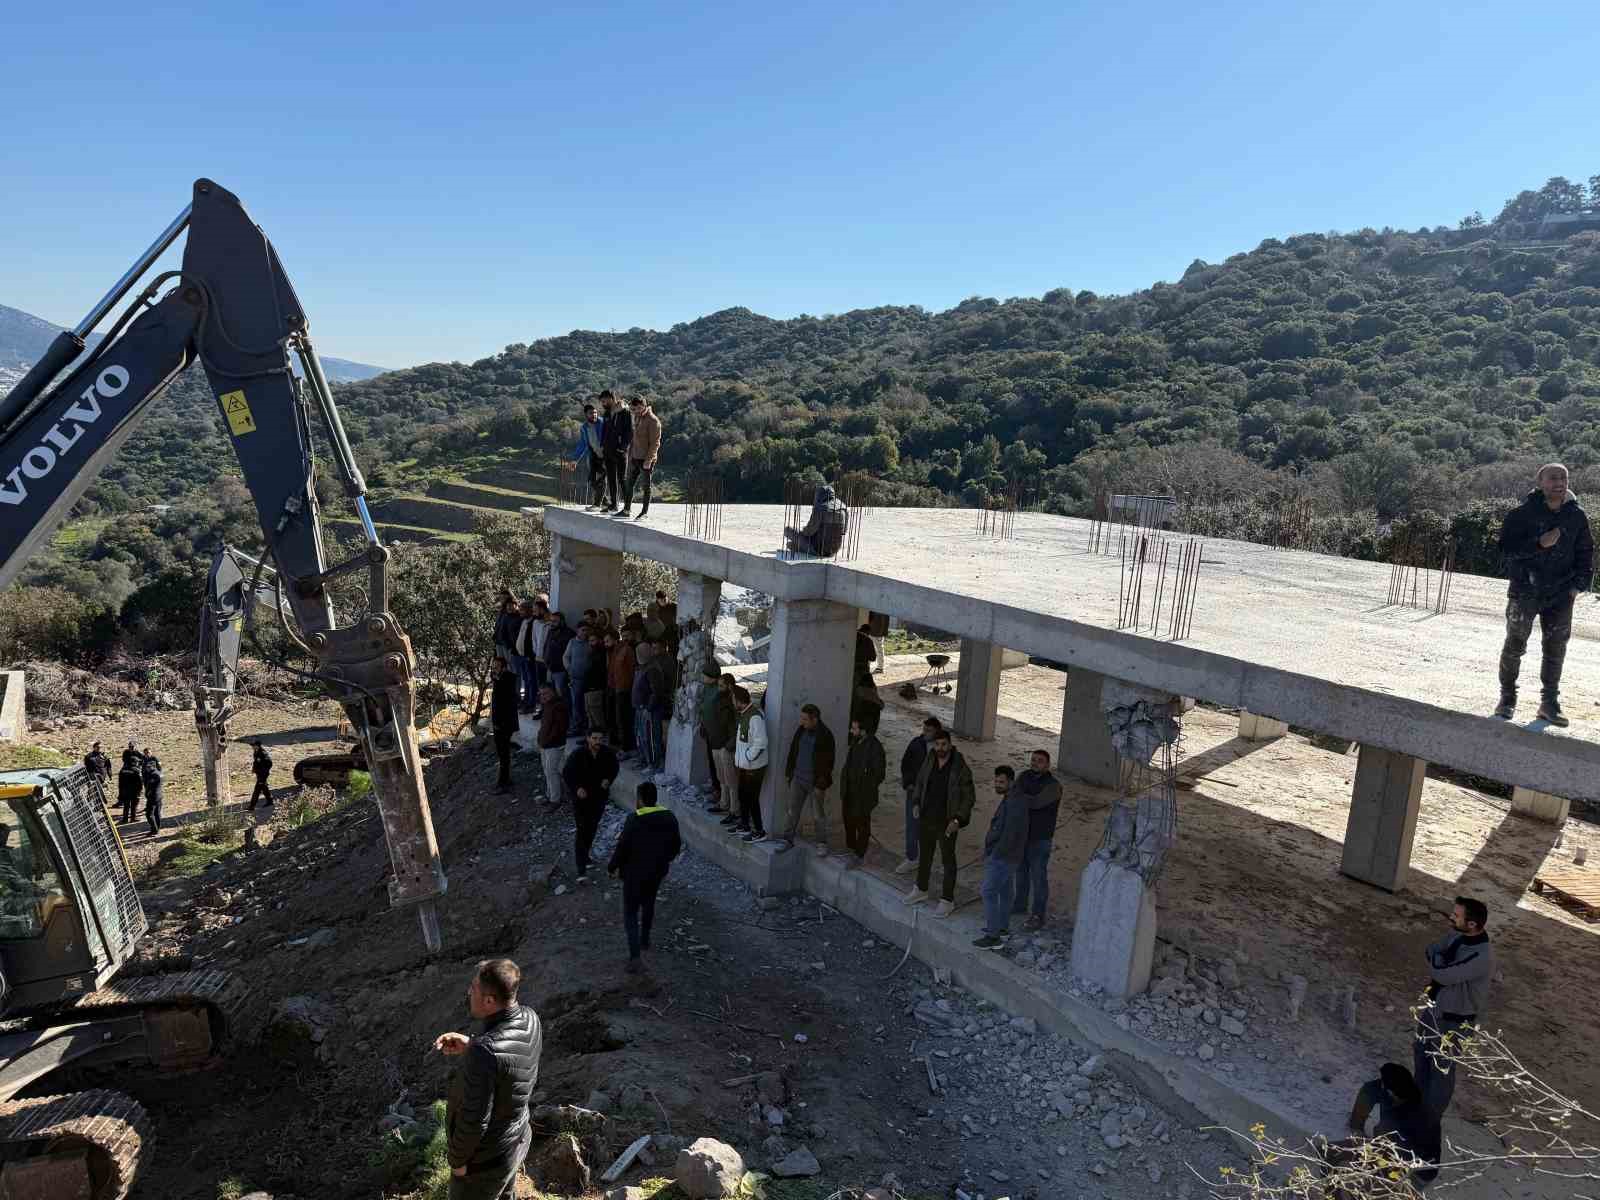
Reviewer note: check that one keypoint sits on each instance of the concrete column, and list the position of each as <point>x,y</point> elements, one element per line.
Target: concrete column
<point>1114,932</point>
<point>1086,750</point>
<point>811,661</point>
<point>1541,806</point>
<point>1255,728</point>
<point>583,575</point>
<point>977,689</point>
<point>698,597</point>
<point>1383,818</point>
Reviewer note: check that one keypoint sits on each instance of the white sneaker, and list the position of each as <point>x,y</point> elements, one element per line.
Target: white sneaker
<point>945,909</point>
<point>906,867</point>
<point>915,896</point>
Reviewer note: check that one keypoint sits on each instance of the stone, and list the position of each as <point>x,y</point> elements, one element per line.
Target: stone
<point>1025,1025</point>
<point>631,1096</point>
<point>1207,1052</point>
<point>304,1017</point>
<point>1228,973</point>
<point>627,1193</point>
<point>558,1166</point>
<point>708,1170</point>
<point>797,1164</point>
<point>321,939</point>
<point>1229,1025</point>
<point>773,1116</point>
<point>1110,1125</point>
<point>1297,995</point>
<point>770,1089</point>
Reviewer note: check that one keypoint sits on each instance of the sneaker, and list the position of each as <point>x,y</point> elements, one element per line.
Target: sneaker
<point>1507,708</point>
<point>945,908</point>
<point>621,512</point>
<point>759,839</point>
<point>642,513</point>
<point>750,835</point>
<point>716,808</point>
<point>820,850</point>
<point>906,867</point>
<point>779,844</point>
<point>990,941</point>
<point>591,508</point>
<point>916,895</point>
<point>1033,923</point>
<point>583,877</point>
<point>731,821</point>
<point>1550,710</point>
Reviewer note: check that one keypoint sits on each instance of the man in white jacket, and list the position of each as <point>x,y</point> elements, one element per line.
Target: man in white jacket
<point>750,757</point>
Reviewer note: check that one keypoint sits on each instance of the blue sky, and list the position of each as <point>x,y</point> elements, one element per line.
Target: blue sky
<point>441,180</point>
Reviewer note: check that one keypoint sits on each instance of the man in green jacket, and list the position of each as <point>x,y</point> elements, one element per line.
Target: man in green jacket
<point>808,775</point>
<point>859,785</point>
<point>941,801</point>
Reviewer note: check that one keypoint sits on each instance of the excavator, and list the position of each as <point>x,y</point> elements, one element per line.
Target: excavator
<point>70,916</point>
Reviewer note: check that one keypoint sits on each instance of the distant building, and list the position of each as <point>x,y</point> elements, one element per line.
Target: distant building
<point>1153,512</point>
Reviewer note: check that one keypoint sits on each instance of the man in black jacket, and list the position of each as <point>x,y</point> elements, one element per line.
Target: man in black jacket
<point>99,765</point>
<point>261,766</point>
<point>486,1113</point>
<point>1549,558</point>
<point>503,717</point>
<point>645,849</point>
<point>589,772</point>
<point>130,785</point>
<point>150,769</point>
<point>615,438</point>
<point>910,766</point>
<point>859,785</point>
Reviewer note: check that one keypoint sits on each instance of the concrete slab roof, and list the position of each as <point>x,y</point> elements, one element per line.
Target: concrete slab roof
<point>1304,638</point>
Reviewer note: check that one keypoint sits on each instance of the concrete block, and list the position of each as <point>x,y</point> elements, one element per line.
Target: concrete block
<point>1085,750</point>
<point>1013,658</point>
<point>1256,728</point>
<point>1383,818</point>
<point>1114,934</point>
<point>978,689</point>
<point>13,706</point>
<point>698,598</point>
<point>1541,806</point>
<point>811,660</point>
<point>583,575</point>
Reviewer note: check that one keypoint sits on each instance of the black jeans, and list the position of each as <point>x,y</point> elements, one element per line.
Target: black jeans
<point>636,468</point>
<point>622,718</point>
<point>750,799</point>
<point>587,812</point>
<point>1437,1081</point>
<point>502,749</point>
<point>857,828</point>
<point>616,464</point>
<point>597,480</point>
<point>933,834</point>
<point>716,784</point>
<point>261,793</point>
<point>152,811</point>
<point>1555,629</point>
<point>491,1181</point>
<point>639,913</point>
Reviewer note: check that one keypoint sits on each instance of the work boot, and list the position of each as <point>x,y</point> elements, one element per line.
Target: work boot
<point>1550,710</point>
<point>916,895</point>
<point>906,867</point>
<point>1507,707</point>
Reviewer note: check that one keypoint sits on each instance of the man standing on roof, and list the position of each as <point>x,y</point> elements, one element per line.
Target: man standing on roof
<point>588,454</point>
<point>643,451</point>
<point>616,436</point>
<point>1549,558</point>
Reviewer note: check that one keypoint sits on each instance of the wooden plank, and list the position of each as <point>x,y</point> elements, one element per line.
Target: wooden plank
<point>1577,888</point>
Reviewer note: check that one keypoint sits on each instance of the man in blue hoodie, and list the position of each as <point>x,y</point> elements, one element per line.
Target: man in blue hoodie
<point>1549,559</point>
<point>589,452</point>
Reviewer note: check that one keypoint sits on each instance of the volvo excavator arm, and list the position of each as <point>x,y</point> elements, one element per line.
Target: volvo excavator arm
<point>232,308</point>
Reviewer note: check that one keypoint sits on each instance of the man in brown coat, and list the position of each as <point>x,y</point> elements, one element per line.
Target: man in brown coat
<point>553,724</point>
<point>642,454</point>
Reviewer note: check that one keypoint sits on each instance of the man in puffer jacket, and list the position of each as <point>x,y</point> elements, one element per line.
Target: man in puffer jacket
<point>824,532</point>
<point>486,1112</point>
<point>1549,560</point>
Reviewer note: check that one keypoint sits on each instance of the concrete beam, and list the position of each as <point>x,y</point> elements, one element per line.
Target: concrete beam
<point>978,689</point>
<point>698,598</point>
<point>583,575</point>
<point>811,660</point>
<point>1085,750</point>
<point>1383,818</point>
<point>1255,728</point>
<point>1541,806</point>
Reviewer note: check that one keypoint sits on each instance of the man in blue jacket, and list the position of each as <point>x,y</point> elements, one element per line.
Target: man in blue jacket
<point>645,849</point>
<point>1549,558</point>
<point>589,453</point>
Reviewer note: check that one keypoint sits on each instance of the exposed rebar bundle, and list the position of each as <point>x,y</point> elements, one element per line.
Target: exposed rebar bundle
<point>702,506</point>
<point>1172,590</point>
<point>570,488</point>
<point>1100,523</point>
<point>1143,823</point>
<point>839,539</point>
<point>1412,584</point>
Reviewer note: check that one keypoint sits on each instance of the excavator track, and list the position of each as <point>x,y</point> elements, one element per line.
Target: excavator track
<point>85,1146</point>
<point>235,1018</point>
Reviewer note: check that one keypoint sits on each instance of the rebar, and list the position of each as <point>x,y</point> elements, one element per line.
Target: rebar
<point>998,519</point>
<point>702,506</point>
<point>798,500</point>
<point>1100,523</point>
<point>570,489</point>
<point>1175,597</point>
<point>1412,583</point>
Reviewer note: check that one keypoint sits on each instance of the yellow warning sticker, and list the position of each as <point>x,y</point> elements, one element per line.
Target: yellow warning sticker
<point>237,409</point>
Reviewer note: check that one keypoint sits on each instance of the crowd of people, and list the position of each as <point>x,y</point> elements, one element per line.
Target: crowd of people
<point>139,778</point>
<point>618,445</point>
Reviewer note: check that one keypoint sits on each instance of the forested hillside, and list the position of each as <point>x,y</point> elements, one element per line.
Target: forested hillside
<point>1355,377</point>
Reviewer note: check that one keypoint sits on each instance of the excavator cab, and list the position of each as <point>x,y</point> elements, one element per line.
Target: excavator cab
<point>69,913</point>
